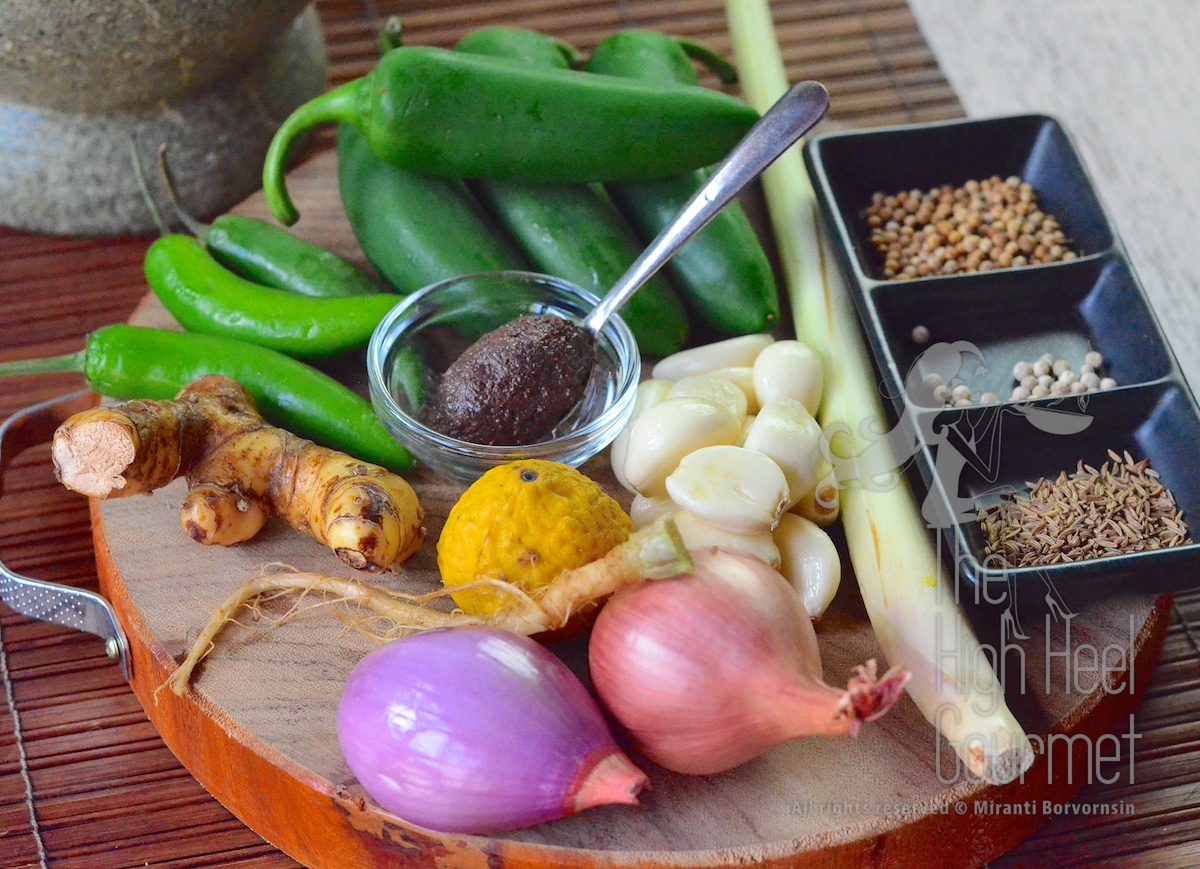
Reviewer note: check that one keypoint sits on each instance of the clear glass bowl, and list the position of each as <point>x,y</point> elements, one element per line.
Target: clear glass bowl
<point>428,330</point>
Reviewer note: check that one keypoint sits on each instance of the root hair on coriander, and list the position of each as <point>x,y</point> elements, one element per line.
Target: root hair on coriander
<point>654,552</point>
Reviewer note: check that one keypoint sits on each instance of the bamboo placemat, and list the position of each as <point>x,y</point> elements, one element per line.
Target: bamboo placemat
<point>102,791</point>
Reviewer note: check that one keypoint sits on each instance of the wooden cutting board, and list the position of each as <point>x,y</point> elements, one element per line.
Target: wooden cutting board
<point>257,728</point>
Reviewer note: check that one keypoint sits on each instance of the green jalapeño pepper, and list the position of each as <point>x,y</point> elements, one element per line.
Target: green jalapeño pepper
<point>415,229</point>
<point>572,231</point>
<point>123,361</point>
<point>206,297</point>
<point>448,113</point>
<point>723,273</point>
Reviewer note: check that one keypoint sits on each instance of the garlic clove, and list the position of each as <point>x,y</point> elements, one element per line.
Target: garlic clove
<point>730,353</point>
<point>785,431</point>
<point>822,503</point>
<point>698,534</point>
<point>667,432</point>
<point>718,390</point>
<point>741,376</point>
<point>646,511</point>
<point>810,562</point>
<point>649,393</point>
<point>789,369</point>
<point>747,424</point>
<point>734,488</point>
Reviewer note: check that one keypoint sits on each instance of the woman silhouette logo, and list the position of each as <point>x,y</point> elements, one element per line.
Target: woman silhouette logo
<point>958,438</point>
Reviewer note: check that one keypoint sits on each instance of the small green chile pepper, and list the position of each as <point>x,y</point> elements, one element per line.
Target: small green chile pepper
<point>123,361</point>
<point>572,231</point>
<point>723,272</point>
<point>459,115</point>
<point>274,257</point>
<point>206,297</point>
<point>263,252</point>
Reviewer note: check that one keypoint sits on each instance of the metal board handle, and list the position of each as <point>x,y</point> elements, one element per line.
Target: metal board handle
<point>49,601</point>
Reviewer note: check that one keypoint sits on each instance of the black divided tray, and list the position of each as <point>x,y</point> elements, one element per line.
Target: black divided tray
<point>1093,302</point>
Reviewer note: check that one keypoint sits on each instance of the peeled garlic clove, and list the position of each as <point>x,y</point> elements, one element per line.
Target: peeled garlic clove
<point>786,432</point>
<point>666,433</point>
<point>698,534</point>
<point>730,353</point>
<point>649,393</point>
<point>734,488</point>
<point>810,562</point>
<point>646,511</point>
<point>716,389</point>
<point>789,369</point>
<point>747,423</point>
<point>742,377</point>
<point>822,503</point>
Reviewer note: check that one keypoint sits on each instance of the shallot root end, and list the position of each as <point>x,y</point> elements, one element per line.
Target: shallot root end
<point>871,698</point>
<point>614,779</point>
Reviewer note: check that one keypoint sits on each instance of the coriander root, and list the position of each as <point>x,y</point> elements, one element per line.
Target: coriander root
<point>654,552</point>
<point>240,472</point>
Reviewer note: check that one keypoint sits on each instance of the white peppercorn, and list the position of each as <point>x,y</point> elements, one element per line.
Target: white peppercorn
<point>960,392</point>
<point>962,402</point>
<point>933,380</point>
<point>1039,391</point>
<point>1090,380</point>
<point>1029,381</point>
<point>1045,380</point>
<point>1107,383</point>
<point>1041,368</point>
<point>1058,388</point>
<point>988,398</point>
<point>1067,377</point>
<point>1077,387</point>
<point>942,394</point>
<point>1094,359</point>
<point>920,335</point>
<point>1020,393</point>
<point>1022,370</point>
<point>1059,366</point>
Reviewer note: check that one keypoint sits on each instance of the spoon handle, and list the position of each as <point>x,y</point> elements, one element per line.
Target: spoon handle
<point>791,117</point>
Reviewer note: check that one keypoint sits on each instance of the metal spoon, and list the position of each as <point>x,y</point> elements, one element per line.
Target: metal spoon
<point>521,382</point>
<point>793,115</point>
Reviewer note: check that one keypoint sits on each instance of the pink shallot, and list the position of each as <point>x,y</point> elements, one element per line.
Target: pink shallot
<point>711,669</point>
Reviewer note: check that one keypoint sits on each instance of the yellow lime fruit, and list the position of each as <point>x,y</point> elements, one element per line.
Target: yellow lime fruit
<point>525,523</point>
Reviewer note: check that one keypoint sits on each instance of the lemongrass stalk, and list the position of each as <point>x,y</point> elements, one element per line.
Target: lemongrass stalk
<point>910,602</point>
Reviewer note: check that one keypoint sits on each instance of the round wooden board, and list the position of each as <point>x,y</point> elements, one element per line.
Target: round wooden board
<point>257,727</point>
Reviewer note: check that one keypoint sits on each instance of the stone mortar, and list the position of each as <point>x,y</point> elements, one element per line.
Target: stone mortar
<point>82,81</point>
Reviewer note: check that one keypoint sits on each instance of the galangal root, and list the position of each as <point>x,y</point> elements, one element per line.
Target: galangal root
<point>654,552</point>
<point>240,472</point>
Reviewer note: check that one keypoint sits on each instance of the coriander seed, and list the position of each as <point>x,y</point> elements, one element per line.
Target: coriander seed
<point>946,230</point>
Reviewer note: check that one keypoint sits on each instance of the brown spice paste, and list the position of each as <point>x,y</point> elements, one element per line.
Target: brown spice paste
<point>513,385</point>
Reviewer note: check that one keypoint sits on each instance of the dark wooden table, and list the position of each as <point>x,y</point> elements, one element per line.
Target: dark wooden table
<point>86,779</point>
